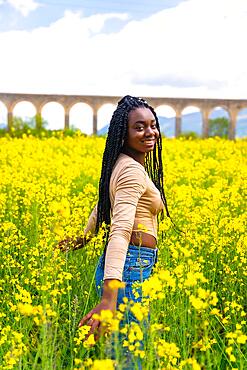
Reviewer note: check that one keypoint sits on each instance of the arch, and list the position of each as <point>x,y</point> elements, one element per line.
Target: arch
<point>191,120</point>
<point>54,114</point>
<point>241,124</point>
<point>167,119</point>
<point>26,111</point>
<point>81,117</point>
<point>219,112</point>
<point>3,116</point>
<point>104,115</point>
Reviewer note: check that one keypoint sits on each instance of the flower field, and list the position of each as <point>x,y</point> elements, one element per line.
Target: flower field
<point>197,293</point>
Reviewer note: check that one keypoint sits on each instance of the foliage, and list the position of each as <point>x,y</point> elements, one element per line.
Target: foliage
<point>197,292</point>
<point>190,135</point>
<point>218,127</point>
<point>36,127</point>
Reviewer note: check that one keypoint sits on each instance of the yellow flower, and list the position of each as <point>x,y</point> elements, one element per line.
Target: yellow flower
<point>89,342</point>
<point>103,365</point>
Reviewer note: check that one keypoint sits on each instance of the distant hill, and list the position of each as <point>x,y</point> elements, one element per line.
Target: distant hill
<point>193,122</point>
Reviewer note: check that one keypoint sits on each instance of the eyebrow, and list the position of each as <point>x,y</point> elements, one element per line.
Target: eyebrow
<point>143,122</point>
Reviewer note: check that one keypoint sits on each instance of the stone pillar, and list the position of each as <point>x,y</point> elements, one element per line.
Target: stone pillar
<point>66,118</point>
<point>232,124</point>
<point>205,120</point>
<point>38,118</point>
<point>178,124</point>
<point>10,120</point>
<point>95,121</point>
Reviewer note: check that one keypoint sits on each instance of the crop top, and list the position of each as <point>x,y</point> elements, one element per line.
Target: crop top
<point>134,200</point>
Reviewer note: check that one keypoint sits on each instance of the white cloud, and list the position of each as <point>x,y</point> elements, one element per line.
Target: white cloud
<point>195,49</point>
<point>24,6</point>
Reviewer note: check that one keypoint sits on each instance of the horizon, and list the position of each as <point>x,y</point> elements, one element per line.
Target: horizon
<point>191,115</point>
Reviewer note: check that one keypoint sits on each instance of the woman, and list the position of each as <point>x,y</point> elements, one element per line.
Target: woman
<point>130,193</point>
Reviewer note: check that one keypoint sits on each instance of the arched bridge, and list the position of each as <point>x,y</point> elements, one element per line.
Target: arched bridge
<point>232,106</point>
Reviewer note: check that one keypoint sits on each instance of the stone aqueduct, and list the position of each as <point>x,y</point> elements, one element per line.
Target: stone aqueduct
<point>95,102</point>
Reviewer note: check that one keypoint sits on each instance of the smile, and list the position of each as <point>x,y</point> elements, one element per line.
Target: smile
<point>149,141</point>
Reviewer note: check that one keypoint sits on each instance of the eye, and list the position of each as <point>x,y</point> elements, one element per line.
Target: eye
<point>153,126</point>
<point>139,128</point>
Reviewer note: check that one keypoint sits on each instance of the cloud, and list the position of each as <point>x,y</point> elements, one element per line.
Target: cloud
<point>195,49</point>
<point>23,6</point>
<point>176,80</point>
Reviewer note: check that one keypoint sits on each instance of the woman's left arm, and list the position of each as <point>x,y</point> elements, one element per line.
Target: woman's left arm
<point>78,243</point>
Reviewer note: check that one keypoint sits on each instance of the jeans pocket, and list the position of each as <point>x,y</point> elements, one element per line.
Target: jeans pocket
<point>138,268</point>
<point>141,263</point>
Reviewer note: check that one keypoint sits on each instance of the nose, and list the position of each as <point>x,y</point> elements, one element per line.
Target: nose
<point>149,131</point>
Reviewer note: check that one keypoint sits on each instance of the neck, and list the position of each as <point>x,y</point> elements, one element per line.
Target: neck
<point>137,156</point>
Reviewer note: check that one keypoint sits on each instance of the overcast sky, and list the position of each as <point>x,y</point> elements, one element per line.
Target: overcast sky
<point>169,48</point>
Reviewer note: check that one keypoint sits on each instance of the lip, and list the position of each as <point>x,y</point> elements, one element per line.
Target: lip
<point>149,141</point>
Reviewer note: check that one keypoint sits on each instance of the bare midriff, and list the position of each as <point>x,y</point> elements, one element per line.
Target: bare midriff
<point>143,239</point>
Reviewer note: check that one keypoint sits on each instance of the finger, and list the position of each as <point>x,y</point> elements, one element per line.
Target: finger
<point>85,318</point>
<point>93,330</point>
<point>94,327</point>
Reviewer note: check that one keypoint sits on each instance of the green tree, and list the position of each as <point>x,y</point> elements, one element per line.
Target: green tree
<point>218,127</point>
<point>20,124</point>
<point>39,122</point>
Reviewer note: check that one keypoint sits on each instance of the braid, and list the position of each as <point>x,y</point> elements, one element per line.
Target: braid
<point>117,133</point>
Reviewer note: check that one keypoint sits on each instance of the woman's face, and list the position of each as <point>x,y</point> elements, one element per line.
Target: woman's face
<point>142,131</point>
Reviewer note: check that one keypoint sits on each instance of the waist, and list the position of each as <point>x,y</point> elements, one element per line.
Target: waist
<point>144,251</point>
<point>143,239</point>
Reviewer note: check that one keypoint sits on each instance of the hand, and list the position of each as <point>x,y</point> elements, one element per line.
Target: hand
<point>70,244</point>
<point>66,245</point>
<point>96,327</point>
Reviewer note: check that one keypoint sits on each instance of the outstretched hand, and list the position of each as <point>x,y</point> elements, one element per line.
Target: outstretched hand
<point>71,244</point>
<point>96,326</point>
<point>66,245</point>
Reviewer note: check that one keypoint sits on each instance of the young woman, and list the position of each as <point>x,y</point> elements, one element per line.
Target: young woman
<point>131,192</point>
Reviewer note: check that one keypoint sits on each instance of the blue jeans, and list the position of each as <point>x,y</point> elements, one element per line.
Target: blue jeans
<point>137,268</point>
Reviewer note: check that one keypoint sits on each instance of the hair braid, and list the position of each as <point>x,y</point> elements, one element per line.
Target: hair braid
<point>117,133</point>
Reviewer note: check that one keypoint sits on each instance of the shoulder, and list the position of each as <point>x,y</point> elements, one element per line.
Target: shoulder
<point>126,165</point>
<point>127,170</point>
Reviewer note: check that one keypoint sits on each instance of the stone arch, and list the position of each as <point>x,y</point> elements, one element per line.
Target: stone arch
<point>104,114</point>
<point>53,113</point>
<point>167,119</point>
<point>81,117</point>
<point>241,123</point>
<point>220,111</point>
<point>191,119</point>
<point>3,116</point>
<point>25,110</point>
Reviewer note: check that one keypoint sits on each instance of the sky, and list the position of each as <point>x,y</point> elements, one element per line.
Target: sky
<point>168,48</point>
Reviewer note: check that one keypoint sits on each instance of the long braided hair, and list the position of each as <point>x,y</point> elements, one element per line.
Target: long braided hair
<point>117,133</point>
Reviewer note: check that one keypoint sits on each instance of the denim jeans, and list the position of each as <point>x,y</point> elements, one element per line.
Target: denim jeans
<point>137,268</point>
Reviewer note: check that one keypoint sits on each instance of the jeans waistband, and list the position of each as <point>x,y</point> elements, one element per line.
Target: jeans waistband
<point>144,250</point>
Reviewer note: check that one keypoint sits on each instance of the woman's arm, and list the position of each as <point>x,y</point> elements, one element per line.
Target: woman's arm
<point>79,242</point>
<point>108,302</point>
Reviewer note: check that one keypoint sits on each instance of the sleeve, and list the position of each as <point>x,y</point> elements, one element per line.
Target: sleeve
<point>131,184</point>
<point>91,224</point>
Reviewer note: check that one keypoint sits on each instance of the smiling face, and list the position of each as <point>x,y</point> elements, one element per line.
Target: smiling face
<point>142,132</point>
